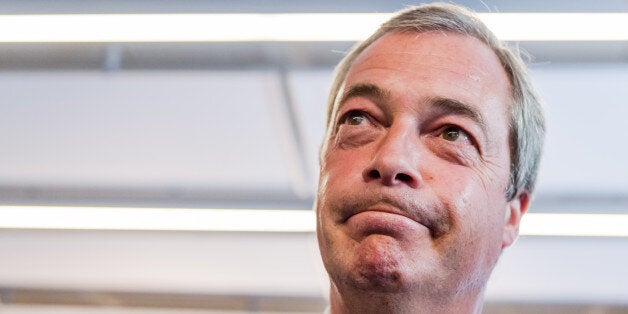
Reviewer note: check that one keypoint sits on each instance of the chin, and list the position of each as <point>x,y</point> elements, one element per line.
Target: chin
<point>366,278</point>
<point>380,282</point>
<point>377,271</point>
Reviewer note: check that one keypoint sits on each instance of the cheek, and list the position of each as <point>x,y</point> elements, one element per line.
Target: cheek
<point>339,172</point>
<point>477,224</point>
<point>476,203</point>
<point>340,165</point>
<point>484,214</point>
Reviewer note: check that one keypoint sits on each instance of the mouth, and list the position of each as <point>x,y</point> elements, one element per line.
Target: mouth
<point>381,208</point>
<point>384,215</point>
<point>386,223</point>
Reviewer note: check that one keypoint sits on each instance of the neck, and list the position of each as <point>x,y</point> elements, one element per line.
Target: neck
<point>349,302</point>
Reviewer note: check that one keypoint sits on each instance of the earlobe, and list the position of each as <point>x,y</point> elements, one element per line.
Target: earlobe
<point>515,209</point>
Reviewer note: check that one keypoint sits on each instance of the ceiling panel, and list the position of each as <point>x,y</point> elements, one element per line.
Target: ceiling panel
<point>585,106</point>
<point>176,130</point>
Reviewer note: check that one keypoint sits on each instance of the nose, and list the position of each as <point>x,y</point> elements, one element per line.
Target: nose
<point>395,162</point>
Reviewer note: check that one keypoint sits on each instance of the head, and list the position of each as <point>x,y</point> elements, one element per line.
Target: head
<point>527,125</point>
<point>434,134</point>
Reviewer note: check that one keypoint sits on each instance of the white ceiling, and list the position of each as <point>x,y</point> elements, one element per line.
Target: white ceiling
<point>238,125</point>
<point>202,138</point>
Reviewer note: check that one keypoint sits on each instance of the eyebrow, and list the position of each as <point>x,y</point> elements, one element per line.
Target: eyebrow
<point>444,104</point>
<point>370,91</point>
<point>452,106</point>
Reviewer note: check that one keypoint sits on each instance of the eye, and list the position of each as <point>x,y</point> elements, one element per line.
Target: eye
<point>355,117</point>
<point>454,133</point>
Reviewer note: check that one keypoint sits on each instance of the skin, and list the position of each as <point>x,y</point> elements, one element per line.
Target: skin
<point>411,207</point>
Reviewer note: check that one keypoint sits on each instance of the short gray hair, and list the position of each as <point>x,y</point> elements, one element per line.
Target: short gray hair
<point>527,122</point>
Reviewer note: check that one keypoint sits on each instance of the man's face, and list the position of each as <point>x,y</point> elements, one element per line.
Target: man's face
<point>415,167</point>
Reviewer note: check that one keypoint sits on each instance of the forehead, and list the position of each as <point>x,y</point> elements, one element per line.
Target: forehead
<point>434,64</point>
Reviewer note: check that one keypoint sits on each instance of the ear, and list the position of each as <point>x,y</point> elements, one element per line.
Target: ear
<point>514,210</point>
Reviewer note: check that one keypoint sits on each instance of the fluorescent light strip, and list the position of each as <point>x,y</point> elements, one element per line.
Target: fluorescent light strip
<point>160,219</point>
<point>585,225</point>
<point>187,27</point>
<point>173,219</point>
<point>558,26</point>
<point>288,27</point>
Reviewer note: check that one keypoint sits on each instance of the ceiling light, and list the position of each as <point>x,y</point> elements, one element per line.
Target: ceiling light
<point>584,225</point>
<point>159,219</point>
<point>288,27</point>
<point>256,220</point>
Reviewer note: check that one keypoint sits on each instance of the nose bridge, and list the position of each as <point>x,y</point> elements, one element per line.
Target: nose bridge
<point>395,159</point>
<point>397,142</point>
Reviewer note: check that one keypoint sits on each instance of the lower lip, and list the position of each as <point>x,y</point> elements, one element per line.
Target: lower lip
<point>377,222</point>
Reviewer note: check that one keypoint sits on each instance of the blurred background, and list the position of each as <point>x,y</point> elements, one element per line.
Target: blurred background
<point>177,175</point>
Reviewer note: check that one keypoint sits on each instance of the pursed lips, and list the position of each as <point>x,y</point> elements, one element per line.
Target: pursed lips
<point>387,208</point>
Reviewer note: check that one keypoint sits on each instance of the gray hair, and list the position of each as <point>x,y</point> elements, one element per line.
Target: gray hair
<point>527,122</point>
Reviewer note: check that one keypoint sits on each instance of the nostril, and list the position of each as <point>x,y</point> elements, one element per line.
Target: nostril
<point>374,174</point>
<point>403,177</point>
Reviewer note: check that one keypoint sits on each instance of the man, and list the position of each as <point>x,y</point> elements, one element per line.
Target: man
<point>431,151</point>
